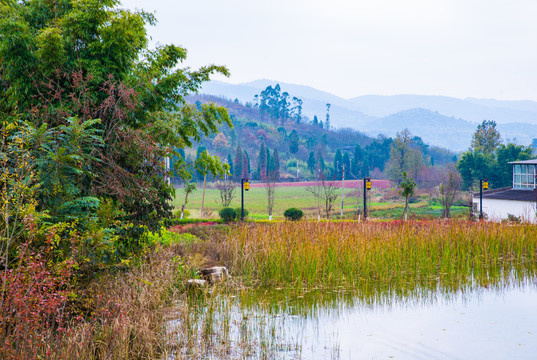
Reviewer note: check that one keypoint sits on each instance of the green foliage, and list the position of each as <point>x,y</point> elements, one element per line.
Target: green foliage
<point>407,187</point>
<point>67,63</point>
<point>238,212</point>
<point>293,214</point>
<point>405,156</point>
<point>228,214</point>
<point>486,138</point>
<point>167,238</point>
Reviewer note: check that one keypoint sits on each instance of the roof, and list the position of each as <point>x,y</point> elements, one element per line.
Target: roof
<point>524,162</point>
<point>508,193</point>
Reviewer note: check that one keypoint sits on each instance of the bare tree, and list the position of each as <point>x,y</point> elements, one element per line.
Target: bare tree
<point>326,193</point>
<point>189,188</point>
<point>448,191</point>
<point>227,192</point>
<point>270,186</point>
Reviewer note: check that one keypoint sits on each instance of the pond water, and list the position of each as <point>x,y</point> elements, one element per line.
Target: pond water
<point>485,324</point>
<point>499,323</point>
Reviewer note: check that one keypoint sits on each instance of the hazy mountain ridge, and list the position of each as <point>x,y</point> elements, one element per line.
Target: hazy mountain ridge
<point>440,120</point>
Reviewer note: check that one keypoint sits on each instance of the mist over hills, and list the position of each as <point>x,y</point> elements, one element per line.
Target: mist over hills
<point>440,120</point>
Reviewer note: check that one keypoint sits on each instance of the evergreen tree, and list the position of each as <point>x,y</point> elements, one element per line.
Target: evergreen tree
<point>346,164</point>
<point>262,161</point>
<point>269,164</point>
<point>276,161</point>
<point>245,173</point>
<point>248,158</point>
<point>230,163</point>
<point>239,154</point>
<point>293,142</point>
<point>316,122</point>
<point>338,164</point>
<point>311,162</point>
<point>327,122</point>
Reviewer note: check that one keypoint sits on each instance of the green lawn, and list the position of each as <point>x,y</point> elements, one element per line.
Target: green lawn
<point>255,201</point>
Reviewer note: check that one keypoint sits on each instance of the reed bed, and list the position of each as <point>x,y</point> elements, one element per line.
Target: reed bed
<point>381,259</point>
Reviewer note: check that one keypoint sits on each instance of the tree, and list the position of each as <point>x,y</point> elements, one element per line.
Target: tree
<point>227,191</point>
<point>406,187</point>
<point>346,163</point>
<point>297,109</point>
<point>87,59</point>
<point>448,190</point>
<point>404,157</point>
<point>474,166</point>
<point>245,166</point>
<point>230,163</point>
<point>276,162</point>
<point>188,189</point>
<point>327,122</point>
<point>270,187</point>
<point>359,164</point>
<point>293,142</point>
<point>326,194</point>
<point>238,163</point>
<point>338,165</point>
<point>315,120</point>
<point>486,138</point>
<point>262,161</point>
<point>505,154</point>
<point>311,162</point>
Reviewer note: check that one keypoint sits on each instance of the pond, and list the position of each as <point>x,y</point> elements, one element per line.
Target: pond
<point>484,323</point>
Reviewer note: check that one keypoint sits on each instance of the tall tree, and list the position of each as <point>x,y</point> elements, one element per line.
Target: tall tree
<point>338,165</point>
<point>404,157</point>
<point>293,142</point>
<point>230,163</point>
<point>311,162</point>
<point>276,162</point>
<point>238,163</point>
<point>245,173</point>
<point>262,161</point>
<point>88,59</point>
<point>327,122</point>
<point>346,163</point>
<point>486,138</point>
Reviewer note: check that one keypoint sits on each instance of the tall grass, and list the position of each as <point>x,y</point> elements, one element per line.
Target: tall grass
<point>395,258</point>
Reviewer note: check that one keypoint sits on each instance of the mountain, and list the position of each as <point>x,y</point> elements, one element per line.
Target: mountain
<point>456,134</point>
<point>440,120</point>
<point>474,110</point>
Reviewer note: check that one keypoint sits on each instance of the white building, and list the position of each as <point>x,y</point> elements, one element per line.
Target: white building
<point>519,200</point>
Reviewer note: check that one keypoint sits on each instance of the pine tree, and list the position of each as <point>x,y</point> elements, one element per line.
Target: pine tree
<point>245,172</point>
<point>338,164</point>
<point>327,122</point>
<point>311,162</point>
<point>238,163</point>
<point>230,162</point>
<point>276,161</point>
<point>262,161</point>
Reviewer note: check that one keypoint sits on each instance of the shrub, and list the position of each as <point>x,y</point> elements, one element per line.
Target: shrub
<point>293,214</point>
<point>238,211</point>
<point>227,214</point>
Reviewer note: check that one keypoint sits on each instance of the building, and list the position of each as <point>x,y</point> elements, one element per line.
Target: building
<point>520,200</point>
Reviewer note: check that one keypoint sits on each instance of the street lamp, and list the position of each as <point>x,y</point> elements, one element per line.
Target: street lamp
<point>483,185</point>
<point>245,185</point>
<point>367,187</point>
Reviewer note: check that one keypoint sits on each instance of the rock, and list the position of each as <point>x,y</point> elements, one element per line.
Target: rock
<point>196,283</point>
<point>215,274</point>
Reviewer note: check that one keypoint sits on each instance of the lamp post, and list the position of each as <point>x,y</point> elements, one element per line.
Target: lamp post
<point>245,185</point>
<point>483,185</point>
<point>367,187</point>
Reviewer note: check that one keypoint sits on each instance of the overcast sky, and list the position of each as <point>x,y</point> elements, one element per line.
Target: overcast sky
<point>460,48</point>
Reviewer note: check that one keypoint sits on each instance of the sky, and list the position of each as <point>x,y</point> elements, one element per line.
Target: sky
<point>459,48</point>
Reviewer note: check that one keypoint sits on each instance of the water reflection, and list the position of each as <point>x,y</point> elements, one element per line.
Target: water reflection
<point>495,322</point>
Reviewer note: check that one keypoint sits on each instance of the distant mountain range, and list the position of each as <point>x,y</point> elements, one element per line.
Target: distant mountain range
<point>440,120</point>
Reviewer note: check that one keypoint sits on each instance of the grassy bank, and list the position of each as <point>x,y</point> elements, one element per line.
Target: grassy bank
<point>372,258</point>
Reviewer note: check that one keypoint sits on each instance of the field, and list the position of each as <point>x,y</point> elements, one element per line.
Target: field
<point>383,202</point>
